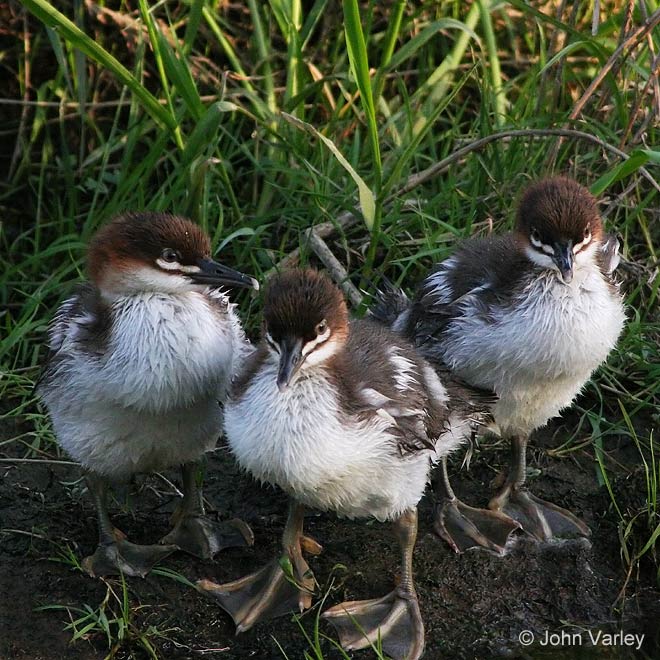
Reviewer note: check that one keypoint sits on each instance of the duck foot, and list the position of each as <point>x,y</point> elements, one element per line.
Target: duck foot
<point>204,538</point>
<point>264,595</point>
<point>463,527</point>
<point>542,520</point>
<point>124,557</point>
<point>395,620</point>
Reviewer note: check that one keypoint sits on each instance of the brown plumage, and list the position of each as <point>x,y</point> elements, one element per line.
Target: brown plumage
<point>529,314</point>
<point>558,209</point>
<point>345,417</point>
<point>134,237</point>
<point>297,300</point>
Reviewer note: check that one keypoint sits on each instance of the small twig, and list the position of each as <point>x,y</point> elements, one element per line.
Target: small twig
<point>171,484</point>
<point>433,171</point>
<point>36,460</point>
<point>9,530</point>
<point>323,230</point>
<point>627,45</point>
<point>335,269</point>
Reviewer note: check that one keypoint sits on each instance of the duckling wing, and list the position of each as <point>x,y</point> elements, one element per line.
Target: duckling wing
<point>81,324</point>
<point>384,377</point>
<point>609,257</point>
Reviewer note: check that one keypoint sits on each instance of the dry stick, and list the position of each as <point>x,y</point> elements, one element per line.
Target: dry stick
<point>629,43</point>
<point>36,460</point>
<point>325,229</point>
<point>335,269</point>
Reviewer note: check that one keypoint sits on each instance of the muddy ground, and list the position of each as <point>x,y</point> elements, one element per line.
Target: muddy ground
<point>474,605</point>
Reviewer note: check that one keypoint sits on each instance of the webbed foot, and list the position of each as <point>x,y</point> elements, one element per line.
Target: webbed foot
<point>395,620</point>
<point>543,520</point>
<point>125,557</point>
<point>204,538</point>
<point>266,594</point>
<point>463,527</point>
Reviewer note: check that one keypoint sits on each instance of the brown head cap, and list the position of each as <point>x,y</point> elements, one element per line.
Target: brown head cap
<point>558,209</point>
<point>297,301</point>
<point>132,239</point>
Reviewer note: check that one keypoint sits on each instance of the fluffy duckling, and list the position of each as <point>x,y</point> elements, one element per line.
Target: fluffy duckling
<point>530,315</point>
<point>344,416</point>
<point>139,358</point>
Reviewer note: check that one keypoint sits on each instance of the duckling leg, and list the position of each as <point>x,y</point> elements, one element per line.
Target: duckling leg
<point>543,520</point>
<point>284,585</point>
<point>195,533</point>
<point>395,619</point>
<point>115,555</point>
<point>463,527</point>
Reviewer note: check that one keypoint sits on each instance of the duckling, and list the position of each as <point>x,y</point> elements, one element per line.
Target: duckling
<point>139,357</point>
<point>344,416</point>
<point>530,315</point>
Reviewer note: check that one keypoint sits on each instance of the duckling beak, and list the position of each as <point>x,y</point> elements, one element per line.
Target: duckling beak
<point>291,359</point>
<point>215,274</point>
<point>563,258</point>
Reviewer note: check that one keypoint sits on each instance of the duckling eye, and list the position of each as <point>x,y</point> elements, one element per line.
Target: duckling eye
<point>587,234</point>
<point>170,255</point>
<point>535,237</point>
<point>321,327</point>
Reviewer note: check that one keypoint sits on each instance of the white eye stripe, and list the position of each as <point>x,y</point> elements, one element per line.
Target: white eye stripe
<point>175,265</point>
<point>190,269</point>
<point>168,265</point>
<point>311,345</point>
<point>271,342</point>
<point>578,246</point>
<point>540,245</point>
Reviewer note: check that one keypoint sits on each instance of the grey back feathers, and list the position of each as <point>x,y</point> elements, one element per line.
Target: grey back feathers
<point>499,318</point>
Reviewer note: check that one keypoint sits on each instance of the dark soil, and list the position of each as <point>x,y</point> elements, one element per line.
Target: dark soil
<point>474,605</point>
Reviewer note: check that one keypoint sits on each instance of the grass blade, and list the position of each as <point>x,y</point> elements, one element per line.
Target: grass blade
<point>367,200</point>
<point>357,55</point>
<point>51,17</point>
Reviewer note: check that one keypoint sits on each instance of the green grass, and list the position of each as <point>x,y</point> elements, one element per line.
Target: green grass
<point>114,619</point>
<point>198,110</point>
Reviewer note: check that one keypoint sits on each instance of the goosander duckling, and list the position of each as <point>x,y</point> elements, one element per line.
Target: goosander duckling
<point>139,358</point>
<point>530,315</point>
<point>344,416</point>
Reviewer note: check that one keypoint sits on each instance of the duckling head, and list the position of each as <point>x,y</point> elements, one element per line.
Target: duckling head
<point>558,225</point>
<point>156,252</point>
<point>305,321</point>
